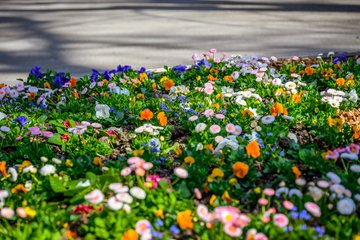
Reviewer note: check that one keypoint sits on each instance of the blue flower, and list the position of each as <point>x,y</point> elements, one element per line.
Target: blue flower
<point>304,215</point>
<point>269,134</point>
<point>159,223</point>
<point>141,70</point>
<point>107,75</point>
<point>320,230</point>
<point>282,153</point>
<point>204,63</point>
<point>94,75</point>
<point>294,215</point>
<point>36,72</point>
<point>174,230</point>
<point>22,120</point>
<point>60,79</point>
<point>303,227</point>
<point>124,69</point>
<point>156,234</point>
<point>179,68</point>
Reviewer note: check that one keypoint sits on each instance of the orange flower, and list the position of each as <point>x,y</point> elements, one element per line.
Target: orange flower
<point>153,86</point>
<point>98,162</point>
<point>247,112</point>
<point>162,118</point>
<point>189,160</point>
<point>178,151</point>
<point>76,94</point>
<point>72,82</point>
<point>47,85</point>
<point>32,96</point>
<point>146,115</point>
<point>138,152</point>
<point>309,71</point>
<point>277,108</point>
<point>296,171</point>
<point>130,234</point>
<point>216,105</point>
<point>143,76</point>
<point>168,84</point>
<point>340,82</point>
<point>296,98</point>
<point>228,79</point>
<point>140,95</point>
<point>70,234</point>
<point>253,149</point>
<point>19,188</point>
<point>356,135</point>
<point>184,219</point>
<point>3,169</point>
<point>211,78</point>
<point>331,121</point>
<point>240,169</point>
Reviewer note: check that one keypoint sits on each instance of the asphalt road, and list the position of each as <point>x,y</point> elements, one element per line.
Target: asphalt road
<point>76,35</point>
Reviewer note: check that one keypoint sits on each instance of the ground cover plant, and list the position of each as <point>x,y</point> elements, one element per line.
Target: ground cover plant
<point>238,147</point>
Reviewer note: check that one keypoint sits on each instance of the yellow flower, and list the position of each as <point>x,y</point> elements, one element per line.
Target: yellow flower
<point>30,212</point>
<point>198,78</point>
<point>257,190</point>
<point>212,200</point>
<point>24,164</point>
<point>233,181</point>
<point>98,162</point>
<point>19,188</point>
<point>189,160</point>
<point>217,172</point>
<point>159,213</point>
<point>356,237</point>
<point>138,152</point>
<point>178,151</point>
<point>69,163</point>
<point>164,78</point>
<point>140,95</point>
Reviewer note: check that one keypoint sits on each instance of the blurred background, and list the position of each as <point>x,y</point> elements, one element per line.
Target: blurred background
<point>76,35</point>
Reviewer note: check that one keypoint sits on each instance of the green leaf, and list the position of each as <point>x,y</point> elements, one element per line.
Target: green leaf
<point>57,185</point>
<point>56,139</point>
<point>184,191</point>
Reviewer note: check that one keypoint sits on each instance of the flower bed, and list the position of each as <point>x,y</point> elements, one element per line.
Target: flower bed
<point>246,148</point>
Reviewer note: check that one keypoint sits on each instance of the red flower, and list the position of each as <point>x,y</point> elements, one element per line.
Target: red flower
<point>66,123</point>
<point>82,208</point>
<point>65,137</point>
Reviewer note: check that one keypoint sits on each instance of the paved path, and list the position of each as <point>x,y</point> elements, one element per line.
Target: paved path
<point>76,35</point>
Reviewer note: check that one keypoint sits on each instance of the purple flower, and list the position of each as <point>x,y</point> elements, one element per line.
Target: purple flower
<point>141,70</point>
<point>35,71</point>
<point>47,134</point>
<point>60,79</point>
<point>179,68</point>
<point>124,69</point>
<point>22,120</point>
<point>320,230</point>
<point>107,75</point>
<point>204,63</point>
<point>94,75</point>
<point>174,230</point>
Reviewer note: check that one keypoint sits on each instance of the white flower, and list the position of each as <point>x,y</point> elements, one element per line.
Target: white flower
<point>7,213</point>
<point>181,172</point>
<point>44,159</point>
<point>143,226</point>
<point>5,129</point>
<point>338,99</point>
<point>300,181</point>
<point>331,53</point>
<point>200,127</point>
<point>290,85</point>
<point>48,169</point>
<point>290,118</point>
<point>282,190</point>
<point>3,194</point>
<point>267,119</point>
<point>127,208</point>
<point>102,111</point>
<point>295,192</point>
<point>138,193</point>
<point>353,95</point>
<point>28,169</point>
<point>199,147</point>
<point>240,101</point>
<point>350,156</point>
<point>83,184</point>
<point>346,206</point>
<point>28,185</point>
<point>2,116</point>
<point>333,177</point>
<point>276,82</point>
<point>355,168</point>
<point>14,174</point>
<point>333,103</point>
<point>118,188</point>
<point>56,161</point>
<point>316,193</point>
<point>124,197</point>
<point>227,91</point>
<point>94,197</point>
<point>293,137</point>
<point>33,89</point>
<point>114,204</point>
<point>337,188</point>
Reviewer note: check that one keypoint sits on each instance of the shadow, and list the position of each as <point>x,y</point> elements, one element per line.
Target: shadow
<point>185,5</point>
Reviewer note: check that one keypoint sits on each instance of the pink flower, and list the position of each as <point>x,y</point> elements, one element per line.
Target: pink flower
<point>230,128</point>
<point>269,191</point>
<point>214,129</point>
<point>288,205</point>
<point>203,212</point>
<point>237,130</point>
<point>208,112</point>
<point>260,236</point>
<point>84,91</point>
<point>92,85</point>
<point>218,139</point>
<point>112,86</point>
<point>125,172</point>
<point>181,172</point>
<point>7,213</point>
<point>47,134</point>
<point>194,57</point>
<point>118,188</point>
<point>20,86</point>
<point>220,116</point>
<point>193,118</point>
<point>265,219</point>
<point>242,220</point>
<point>94,197</point>
<point>140,172</point>
<point>217,60</point>
<point>21,212</point>
<point>142,226</point>
<point>208,90</point>
<point>147,165</point>
<point>353,148</point>
<point>295,58</point>
<point>232,230</point>
<point>224,54</point>
<point>198,194</point>
<point>280,220</point>
<point>100,83</point>
<point>213,50</point>
<point>313,208</point>
<point>263,201</point>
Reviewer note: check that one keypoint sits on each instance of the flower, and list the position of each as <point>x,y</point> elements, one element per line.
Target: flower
<point>184,219</point>
<point>48,169</point>
<point>296,171</point>
<point>22,120</point>
<point>114,204</point>
<point>269,192</point>
<point>3,169</point>
<point>240,169</point>
<point>263,201</point>
<point>232,230</point>
<point>280,220</point>
<point>333,177</point>
<point>313,208</point>
<point>189,160</point>
<point>138,193</point>
<point>142,226</point>
<point>102,111</point>
<point>94,197</point>
<point>13,173</point>
<point>214,129</point>
<point>162,118</point>
<point>118,187</point>
<point>267,119</point>
<point>146,114</point>
<point>7,213</point>
<point>346,206</point>
<point>277,108</point>
<point>253,149</point>
<point>168,84</point>
<point>130,234</point>
<point>288,205</point>
<point>181,172</point>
